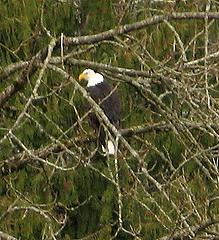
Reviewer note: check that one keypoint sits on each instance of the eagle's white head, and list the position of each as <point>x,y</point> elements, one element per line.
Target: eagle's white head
<point>91,77</point>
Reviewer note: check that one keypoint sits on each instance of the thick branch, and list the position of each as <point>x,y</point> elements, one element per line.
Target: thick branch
<point>137,26</point>
<point>27,73</point>
<point>185,234</point>
<point>101,66</point>
<point>90,39</point>
<point>21,159</point>
<point>13,88</point>
<point>10,69</point>
<point>5,236</point>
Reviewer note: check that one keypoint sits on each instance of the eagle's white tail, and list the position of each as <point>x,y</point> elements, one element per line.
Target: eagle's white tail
<point>110,148</point>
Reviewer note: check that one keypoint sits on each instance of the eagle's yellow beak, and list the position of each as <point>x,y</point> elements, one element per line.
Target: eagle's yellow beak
<point>81,77</point>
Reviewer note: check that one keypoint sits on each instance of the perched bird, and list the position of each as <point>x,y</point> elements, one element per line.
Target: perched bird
<point>108,99</point>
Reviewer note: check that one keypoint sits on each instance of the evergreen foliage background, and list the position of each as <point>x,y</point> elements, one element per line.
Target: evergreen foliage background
<point>66,189</point>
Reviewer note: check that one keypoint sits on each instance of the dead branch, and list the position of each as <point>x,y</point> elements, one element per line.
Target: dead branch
<point>5,236</point>
<point>20,160</point>
<point>26,74</point>
<point>90,39</point>
<point>11,69</point>
<point>185,234</point>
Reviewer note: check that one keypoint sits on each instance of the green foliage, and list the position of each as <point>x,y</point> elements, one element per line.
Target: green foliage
<point>35,199</point>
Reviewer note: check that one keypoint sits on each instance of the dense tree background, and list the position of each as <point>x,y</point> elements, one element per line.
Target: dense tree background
<point>163,182</point>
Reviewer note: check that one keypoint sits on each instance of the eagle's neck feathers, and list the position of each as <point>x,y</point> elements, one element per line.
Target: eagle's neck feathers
<point>94,80</point>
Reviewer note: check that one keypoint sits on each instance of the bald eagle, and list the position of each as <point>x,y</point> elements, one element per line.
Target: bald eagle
<point>108,99</point>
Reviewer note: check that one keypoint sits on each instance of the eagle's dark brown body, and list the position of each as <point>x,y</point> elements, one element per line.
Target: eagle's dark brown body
<point>108,99</point>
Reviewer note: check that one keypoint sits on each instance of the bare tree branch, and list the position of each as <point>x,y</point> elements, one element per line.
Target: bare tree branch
<point>90,39</point>
<point>27,72</point>
<point>185,234</point>
<point>5,236</point>
<point>21,159</point>
<point>10,69</point>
